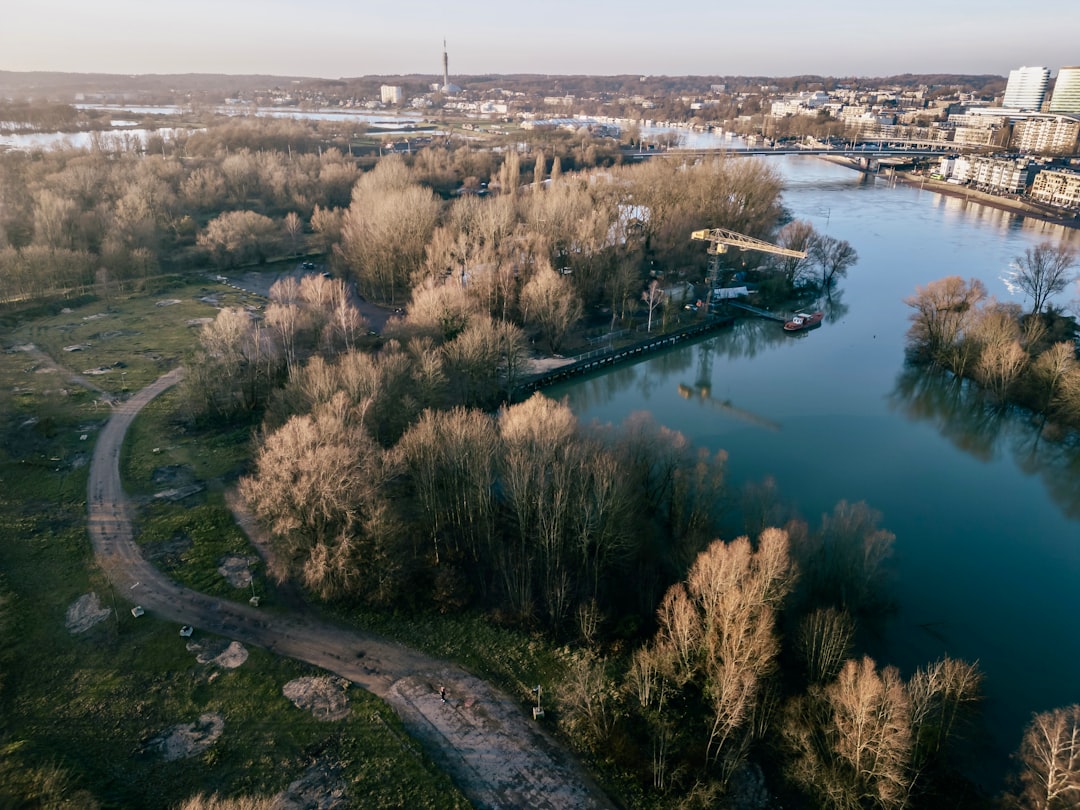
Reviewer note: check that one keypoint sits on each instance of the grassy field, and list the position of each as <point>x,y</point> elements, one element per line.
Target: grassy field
<point>77,711</point>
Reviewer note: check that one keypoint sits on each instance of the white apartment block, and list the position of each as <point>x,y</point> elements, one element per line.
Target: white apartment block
<point>973,136</point>
<point>998,175</point>
<point>1056,136</point>
<point>1066,98</point>
<point>1057,187</point>
<point>1026,89</point>
<point>391,94</point>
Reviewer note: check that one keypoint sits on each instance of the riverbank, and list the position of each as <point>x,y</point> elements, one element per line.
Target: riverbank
<point>1026,208</point>
<point>1014,205</point>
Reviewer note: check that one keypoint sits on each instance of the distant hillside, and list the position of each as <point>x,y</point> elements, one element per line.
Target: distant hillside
<point>145,87</point>
<point>175,88</point>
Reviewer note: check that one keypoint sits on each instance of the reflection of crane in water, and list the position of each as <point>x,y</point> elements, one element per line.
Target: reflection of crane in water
<point>702,392</point>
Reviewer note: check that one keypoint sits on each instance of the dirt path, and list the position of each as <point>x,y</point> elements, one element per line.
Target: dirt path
<point>496,754</point>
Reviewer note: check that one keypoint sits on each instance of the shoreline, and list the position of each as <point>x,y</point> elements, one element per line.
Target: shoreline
<point>1024,208</point>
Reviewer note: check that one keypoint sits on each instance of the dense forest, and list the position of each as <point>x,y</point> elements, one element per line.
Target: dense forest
<point>397,470</point>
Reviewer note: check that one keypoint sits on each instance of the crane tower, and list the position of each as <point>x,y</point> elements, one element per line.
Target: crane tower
<point>721,239</point>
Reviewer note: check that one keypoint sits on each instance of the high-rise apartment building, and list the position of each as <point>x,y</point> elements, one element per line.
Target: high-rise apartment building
<point>391,94</point>
<point>1066,98</point>
<point>1026,89</point>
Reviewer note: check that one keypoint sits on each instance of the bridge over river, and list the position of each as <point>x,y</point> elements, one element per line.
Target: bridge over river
<point>875,150</point>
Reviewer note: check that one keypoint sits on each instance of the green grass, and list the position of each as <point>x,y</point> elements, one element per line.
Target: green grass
<point>89,703</point>
<point>160,439</point>
<point>511,658</point>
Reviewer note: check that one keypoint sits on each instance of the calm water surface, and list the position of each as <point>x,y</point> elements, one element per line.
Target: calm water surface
<point>986,517</point>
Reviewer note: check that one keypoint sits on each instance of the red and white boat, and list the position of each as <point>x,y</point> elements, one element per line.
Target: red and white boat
<point>803,320</point>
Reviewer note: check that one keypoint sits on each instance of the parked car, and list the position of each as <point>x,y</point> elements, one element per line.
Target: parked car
<point>308,265</point>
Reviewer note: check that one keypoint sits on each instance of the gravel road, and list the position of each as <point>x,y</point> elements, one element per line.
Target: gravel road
<point>495,753</point>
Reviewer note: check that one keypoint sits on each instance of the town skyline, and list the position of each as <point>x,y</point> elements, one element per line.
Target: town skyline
<point>332,39</point>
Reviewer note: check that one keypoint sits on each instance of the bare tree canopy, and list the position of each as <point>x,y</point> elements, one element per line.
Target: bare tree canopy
<point>1042,272</point>
<point>1050,758</point>
<point>833,256</point>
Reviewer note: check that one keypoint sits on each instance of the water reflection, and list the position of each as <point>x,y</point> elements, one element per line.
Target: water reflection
<point>964,416</point>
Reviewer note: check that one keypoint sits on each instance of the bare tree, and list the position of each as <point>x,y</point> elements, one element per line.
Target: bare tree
<point>824,641</point>
<point>551,302</point>
<point>1051,369</point>
<point>1043,272</point>
<point>851,740</point>
<point>587,696</point>
<point>386,230</point>
<point>843,564</point>
<point>316,485</point>
<point>719,629</point>
<point>1050,758</point>
<point>943,310</point>
<point>649,682</point>
<point>441,310</point>
<point>538,470</point>
<point>287,320</point>
<point>294,230</point>
<point>327,224</point>
<point>653,297</point>
<point>833,256</point>
<point>235,365</point>
<point>1001,358</point>
<point>238,237</point>
<point>538,170</point>
<point>797,235</point>
<point>450,458</point>
<point>944,695</point>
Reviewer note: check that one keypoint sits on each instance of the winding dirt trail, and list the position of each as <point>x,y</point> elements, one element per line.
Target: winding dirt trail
<point>496,755</point>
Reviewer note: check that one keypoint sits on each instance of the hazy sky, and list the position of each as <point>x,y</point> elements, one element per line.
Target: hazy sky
<point>335,38</point>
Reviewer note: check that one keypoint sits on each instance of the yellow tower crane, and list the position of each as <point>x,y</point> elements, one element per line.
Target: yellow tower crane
<point>720,239</point>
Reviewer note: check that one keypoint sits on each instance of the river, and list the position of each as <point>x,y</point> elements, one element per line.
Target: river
<point>986,561</point>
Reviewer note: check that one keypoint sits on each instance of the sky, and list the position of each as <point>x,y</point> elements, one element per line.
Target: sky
<point>339,39</point>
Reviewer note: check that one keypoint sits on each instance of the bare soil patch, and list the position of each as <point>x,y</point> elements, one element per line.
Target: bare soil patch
<point>169,552</point>
<point>85,612</point>
<point>186,740</point>
<point>227,655</point>
<point>324,697</point>
<point>236,568</point>
<point>320,787</point>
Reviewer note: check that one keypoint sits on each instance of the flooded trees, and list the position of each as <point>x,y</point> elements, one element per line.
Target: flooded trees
<point>1010,355</point>
<point>834,257</point>
<point>943,310</point>
<point>717,639</point>
<point>1050,759</point>
<point>1042,272</point>
<point>851,740</point>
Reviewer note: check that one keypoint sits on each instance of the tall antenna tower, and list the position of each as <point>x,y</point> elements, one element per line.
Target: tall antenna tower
<point>445,66</point>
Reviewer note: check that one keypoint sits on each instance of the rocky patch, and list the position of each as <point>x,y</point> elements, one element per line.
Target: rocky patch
<point>221,654</point>
<point>324,697</point>
<point>236,568</point>
<point>85,612</point>
<point>186,740</point>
